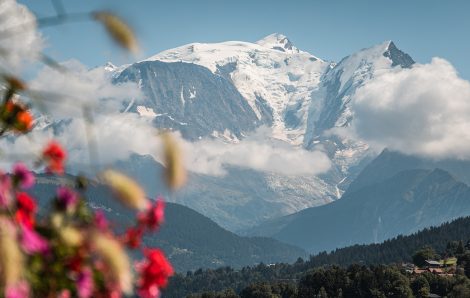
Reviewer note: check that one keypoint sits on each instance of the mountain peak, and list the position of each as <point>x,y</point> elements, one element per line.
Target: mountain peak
<point>109,66</point>
<point>278,41</point>
<point>398,57</point>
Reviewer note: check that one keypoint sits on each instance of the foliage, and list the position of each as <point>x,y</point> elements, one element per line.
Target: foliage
<point>73,246</point>
<point>426,253</point>
<point>354,281</point>
<point>359,279</point>
<point>70,250</point>
<point>400,248</point>
<point>420,287</point>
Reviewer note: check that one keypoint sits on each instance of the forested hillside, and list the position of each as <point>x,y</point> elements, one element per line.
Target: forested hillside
<point>443,239</point>
<point>190,239</point>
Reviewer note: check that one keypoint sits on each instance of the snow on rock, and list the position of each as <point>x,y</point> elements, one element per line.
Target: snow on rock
<point>330,109</point>
<point>280,42</point>
<point>114,70</point>
<point>308,98</point>
<point>361,65</point>
<point>272,70</point>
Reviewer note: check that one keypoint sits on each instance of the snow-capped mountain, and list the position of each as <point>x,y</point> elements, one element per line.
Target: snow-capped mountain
<point>227,90</point>
<point>190,98</point>
<point>339,83</point>
<point>270,72</point>
<point>331,105</point>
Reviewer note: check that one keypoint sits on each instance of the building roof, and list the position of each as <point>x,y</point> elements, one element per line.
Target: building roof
<point>433,262</point>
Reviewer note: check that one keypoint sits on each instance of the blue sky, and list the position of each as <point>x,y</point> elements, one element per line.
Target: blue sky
<point>328,29</point>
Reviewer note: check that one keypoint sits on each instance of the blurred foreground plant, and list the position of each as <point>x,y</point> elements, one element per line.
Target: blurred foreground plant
<point>71,251</point>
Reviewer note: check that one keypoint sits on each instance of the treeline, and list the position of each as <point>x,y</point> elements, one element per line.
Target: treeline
<point>398,249</point>
<point>354,281</point>
<point>287,278</point>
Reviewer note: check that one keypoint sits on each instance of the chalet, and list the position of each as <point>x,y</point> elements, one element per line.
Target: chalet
<point>432,264</point>
<point>445,263</point>
<point>444,267</point>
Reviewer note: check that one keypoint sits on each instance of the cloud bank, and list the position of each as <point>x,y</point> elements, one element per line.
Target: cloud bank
<point>256,152</point>
<point>118,135</point>
<point>424,110</point>
<point>19,40</point>
<point>62,95</point>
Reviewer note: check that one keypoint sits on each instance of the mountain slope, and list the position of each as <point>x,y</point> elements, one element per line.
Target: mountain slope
<point>191,99</point>
<point>227,90</point>
<point>406,202</point>
<point>331,102</point>
<point>397,250</point>
<point>239,200</point>
<point>389,163</point>
<point>190,239</point>
<point>271,71</point>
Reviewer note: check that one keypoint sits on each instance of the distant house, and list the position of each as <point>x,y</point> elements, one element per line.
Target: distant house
<point>433,264</point>
<point>436,270</point>
<point>419,271</point>
<point>449,262</point>
<point>444,267</point>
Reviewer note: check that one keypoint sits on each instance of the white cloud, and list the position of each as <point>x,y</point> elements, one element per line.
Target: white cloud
<point>116,137</point>
<point>424,110</point>
<point>19,39</point>
<point>119,135</point>
<point>256,152</point>
<point>63,94</point>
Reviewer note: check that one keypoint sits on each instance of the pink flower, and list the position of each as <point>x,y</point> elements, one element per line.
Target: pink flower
<point>32,242</point>
<point>154,216</point>
<point>20,290</point>
<point>100,220</point>
<point>22,176</point>
<point>67,198</point>
<point>150,292</point>
<point>5,190</point>
<point>85,283</point>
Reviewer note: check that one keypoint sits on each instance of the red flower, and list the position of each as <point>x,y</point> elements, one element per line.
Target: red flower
<point>155,215</point>
<point>75,263</point>
<point>154,273</point>
<point>24,121</point>
<point>26,209</point>
<point>133,237</point>
<point>54,155</point>
<point>24,218</point>
<point>17,117</point>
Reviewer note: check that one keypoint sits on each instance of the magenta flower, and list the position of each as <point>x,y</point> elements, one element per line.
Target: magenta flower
<point>20,290</point>
<point>100,220</point>
<point>5,190</point>
<point>32,242</point>
<point>67,198</point>
<point>85,283</point>
<point>23,176</point>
